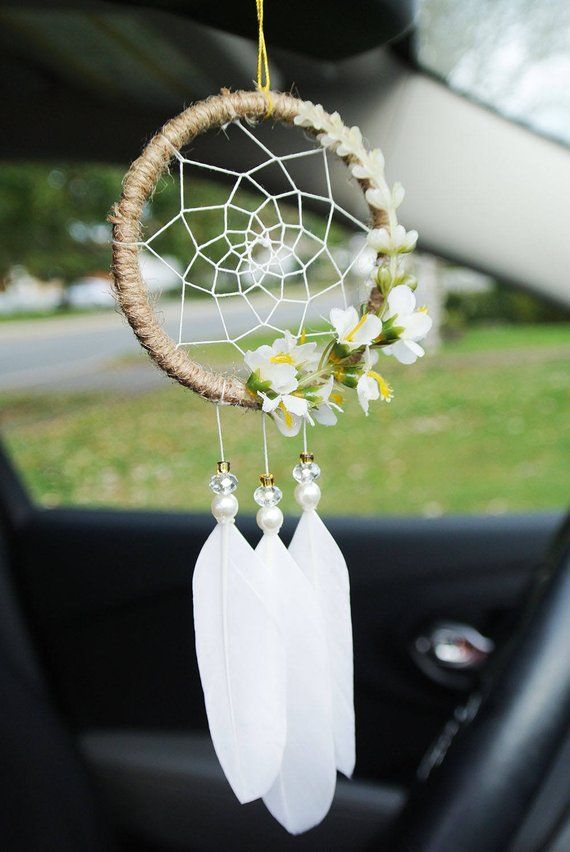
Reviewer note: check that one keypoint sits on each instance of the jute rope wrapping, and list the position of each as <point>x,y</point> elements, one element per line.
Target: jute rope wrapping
<point>140,181</point>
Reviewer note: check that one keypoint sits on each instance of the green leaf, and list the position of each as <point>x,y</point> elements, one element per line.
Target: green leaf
<point>384,279</point>
<point>256,384</point>
<point>312,394</point>
<point>390,331</point>
<point>348,376</point>
<point>339,352</point>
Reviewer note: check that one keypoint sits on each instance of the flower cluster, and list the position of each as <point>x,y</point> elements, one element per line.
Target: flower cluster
<point>388,245</point>
<point>289,378</point>
<point>368,167</point>
<point>299,383</point>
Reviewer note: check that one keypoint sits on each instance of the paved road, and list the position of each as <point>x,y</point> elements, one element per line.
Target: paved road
<point>81,353</point>
<point>49,352</point>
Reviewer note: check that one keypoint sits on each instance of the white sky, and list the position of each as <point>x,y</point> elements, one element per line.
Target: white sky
<point>513,55</point>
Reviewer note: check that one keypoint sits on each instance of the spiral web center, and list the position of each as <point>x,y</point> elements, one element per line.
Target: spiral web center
<point>268,263</point>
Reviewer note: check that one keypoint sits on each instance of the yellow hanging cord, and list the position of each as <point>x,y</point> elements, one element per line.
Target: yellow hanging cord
<point>263,78</point>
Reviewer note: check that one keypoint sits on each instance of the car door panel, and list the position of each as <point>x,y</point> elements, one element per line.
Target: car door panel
<point>108,594</point>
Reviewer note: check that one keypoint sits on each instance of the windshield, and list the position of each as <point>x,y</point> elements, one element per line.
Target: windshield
<point>511,55</point>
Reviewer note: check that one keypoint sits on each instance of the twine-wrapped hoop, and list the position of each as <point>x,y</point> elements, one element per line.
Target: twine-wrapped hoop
<point>140,181</point>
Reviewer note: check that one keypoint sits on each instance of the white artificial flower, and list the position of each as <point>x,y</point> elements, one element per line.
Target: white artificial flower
<point>379,197</point>
<point>371,385</point>
<point>278,363</point>
<point>395,242</point>
<point>288,402</point>
<point>365,289</point>
<point>365,262</point>
<point>370,167</point>
<point>311,115</point>
<point>385,198</point>
<point>398,195</point>
<point>287,410</point>
<point>287,350</point>
<point>334,131</point>
<point>324,415</point>
<point>324,412</point>
<point>350,143</point>
<point>287,423</point>
<point>414,324</point>
<point>353,330</point>
<point>282,377</point>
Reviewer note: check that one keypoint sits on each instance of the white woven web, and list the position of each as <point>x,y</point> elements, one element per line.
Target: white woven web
<point>269,264</point>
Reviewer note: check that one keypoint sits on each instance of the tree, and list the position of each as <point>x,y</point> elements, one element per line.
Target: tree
<point>53,217</point>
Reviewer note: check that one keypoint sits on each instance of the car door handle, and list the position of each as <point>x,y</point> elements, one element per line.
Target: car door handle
<point>455,646</point>
<point>450,646</point>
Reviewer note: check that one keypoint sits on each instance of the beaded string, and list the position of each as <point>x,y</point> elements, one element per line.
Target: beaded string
<point>219,425</point>
<point>223,483</point>
<point>265,449</point>
<point>263,83</point>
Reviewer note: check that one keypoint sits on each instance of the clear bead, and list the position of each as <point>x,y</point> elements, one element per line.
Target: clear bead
<point>267,495</point>
<point>306,471</point>
<point>223,483</point>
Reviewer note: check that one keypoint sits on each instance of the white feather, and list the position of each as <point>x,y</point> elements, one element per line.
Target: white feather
<point>317,554</point>
<point>241,660</point>
<point>303,792</point>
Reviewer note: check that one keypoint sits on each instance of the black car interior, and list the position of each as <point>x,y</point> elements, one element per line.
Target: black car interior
<point>104,739</point>
<point>104,743</point>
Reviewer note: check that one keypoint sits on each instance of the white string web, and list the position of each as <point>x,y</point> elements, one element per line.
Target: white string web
<point>268,263</point>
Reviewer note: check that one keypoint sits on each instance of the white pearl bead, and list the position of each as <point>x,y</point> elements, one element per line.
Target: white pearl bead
<point>307,495</point>
<point>270,519</point>
<point>224,507</point>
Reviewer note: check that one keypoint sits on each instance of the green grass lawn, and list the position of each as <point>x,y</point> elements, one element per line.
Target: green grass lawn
<point>480,427</point>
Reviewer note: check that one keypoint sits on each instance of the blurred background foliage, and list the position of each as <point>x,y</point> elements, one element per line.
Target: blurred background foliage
<point>498,304</point>
<point>53,217</point>
<point>511,55</point>
<point>53,224</point>
<point>477,426</point>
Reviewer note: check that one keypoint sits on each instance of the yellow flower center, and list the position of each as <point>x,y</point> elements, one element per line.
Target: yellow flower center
<point>281,358</point>
<point>337,398</point>
<point>286,415</point>
<point>303,335</point>
<point>386,392</point>
<point>423,309</point>
<point>350,336</point>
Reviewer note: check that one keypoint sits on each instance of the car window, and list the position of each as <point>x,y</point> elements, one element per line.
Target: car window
<point>511,55</point>
<point>476,426</point>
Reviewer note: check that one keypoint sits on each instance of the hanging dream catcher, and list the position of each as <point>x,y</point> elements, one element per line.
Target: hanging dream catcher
<point>273,626</point>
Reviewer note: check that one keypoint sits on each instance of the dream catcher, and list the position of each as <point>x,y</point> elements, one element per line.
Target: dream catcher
<point>273,627</point>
